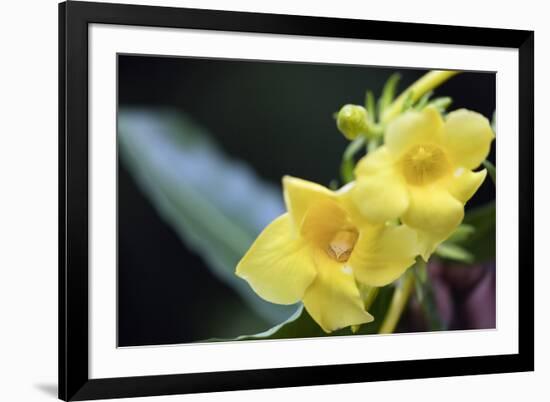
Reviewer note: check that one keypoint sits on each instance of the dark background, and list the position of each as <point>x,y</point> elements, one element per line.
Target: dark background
<point>277,117</point>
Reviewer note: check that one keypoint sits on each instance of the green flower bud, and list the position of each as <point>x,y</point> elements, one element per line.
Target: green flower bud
<point>352,121</point>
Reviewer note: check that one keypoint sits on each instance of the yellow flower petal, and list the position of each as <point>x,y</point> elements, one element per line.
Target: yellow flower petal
<point>467,138</point>
<point>464,183</point>
<point>278,266</point>
<point>428,242</point>
<point>374,162</point>
<point>382,196</point>
<point>322,220</point>
<point>413,128</point>
<point>300,194</point>
<point>435,212</point>
<point>379,193</point>
<point>382,255</point>
<point>333,299</point>
<point>345,200</point>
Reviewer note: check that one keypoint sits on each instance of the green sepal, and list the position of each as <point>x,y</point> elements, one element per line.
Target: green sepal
<point>454,252</point>
<point>441,104</point>
<point>461,233</point>
<point>388,93</point>
<point>423,101</point>
<point>408,103</point>
<point>491,169</point>
<point>370,104</point>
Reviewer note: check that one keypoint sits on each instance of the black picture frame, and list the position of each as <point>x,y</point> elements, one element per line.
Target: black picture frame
<point>74,381</point>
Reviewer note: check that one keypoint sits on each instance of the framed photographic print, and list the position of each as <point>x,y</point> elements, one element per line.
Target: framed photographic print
<point>256,200</point>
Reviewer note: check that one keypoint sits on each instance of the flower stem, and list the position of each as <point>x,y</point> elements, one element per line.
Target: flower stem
<point>373,144</point>
<point>424,84</point>
<point>398,303</point>
<point>348,163</point>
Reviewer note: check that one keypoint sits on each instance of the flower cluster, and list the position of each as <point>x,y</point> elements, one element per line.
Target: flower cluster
<point>408,196</point>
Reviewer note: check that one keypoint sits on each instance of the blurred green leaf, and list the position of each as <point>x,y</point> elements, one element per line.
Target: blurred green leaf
<point>408,103</point>
<point>481,243</point>
<point>454,252</point>
<point>301,325</point>
<point>298,325</point>
<point>217,205</point>
<point>441,103</point>
<point>491,169</point>
<point>426,298</point>
<point>461,233</point>
<point>370,105</point>
<point>388,93</point>
<point>421,271</point>
<point>423,101</point>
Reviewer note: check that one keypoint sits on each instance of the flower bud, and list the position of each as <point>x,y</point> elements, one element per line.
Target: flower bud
<point>352,121</point>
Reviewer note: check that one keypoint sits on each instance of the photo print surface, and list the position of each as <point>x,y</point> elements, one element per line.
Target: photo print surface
<point>272,200</point>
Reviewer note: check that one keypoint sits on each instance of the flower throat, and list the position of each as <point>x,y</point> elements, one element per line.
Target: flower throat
<point>341,245</point>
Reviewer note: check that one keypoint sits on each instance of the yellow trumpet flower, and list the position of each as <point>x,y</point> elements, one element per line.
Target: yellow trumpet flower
<point>423,173</point>
<point>319,250</point>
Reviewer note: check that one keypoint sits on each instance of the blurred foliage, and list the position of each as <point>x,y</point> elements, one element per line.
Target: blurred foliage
<point>274,116</point>
<point>301,325</point>
<point>474,240</point>
<point>217,205</point>
<point>482,243</point>
<point>425,296</point>
<point>188,179</point>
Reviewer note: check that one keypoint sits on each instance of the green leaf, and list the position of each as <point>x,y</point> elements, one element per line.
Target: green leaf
<point>481,242</point>
<point>370,105</point>
<point>472,241</point>
<point>461,233</point>
<point>421,271</point>
<point>425,295</point>
<point>215,204</point>
<point>388,93</point>
<point>409,102</point>
<point>429,308</point>
<point>454,252</point>
<point>420,278</point>
<point>298,325</point>
<point>301,325</point>
<point>442,103</point>
<point>491,169</point>
<point>422,102</point>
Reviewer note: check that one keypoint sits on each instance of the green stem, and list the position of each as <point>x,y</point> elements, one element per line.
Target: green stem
<point>399,301</point>
<point>348,163</point>
<point>426,83</point>
<point>373,144</point>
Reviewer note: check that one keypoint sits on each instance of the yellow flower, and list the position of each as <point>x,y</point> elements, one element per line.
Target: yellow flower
<point>319,249</point>
<point>423,173</point>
